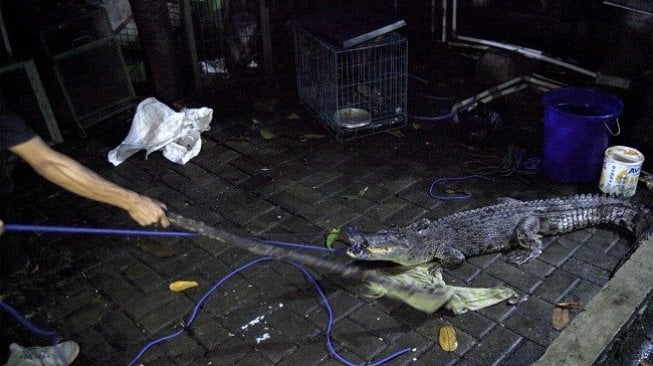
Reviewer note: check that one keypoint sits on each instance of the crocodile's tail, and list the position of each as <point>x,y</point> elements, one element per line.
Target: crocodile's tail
<point>638,220</point>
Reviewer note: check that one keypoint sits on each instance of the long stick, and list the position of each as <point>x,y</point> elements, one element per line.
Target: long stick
<point>321,265</point>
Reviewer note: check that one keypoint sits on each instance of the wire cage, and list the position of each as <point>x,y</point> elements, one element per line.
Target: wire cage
<point>357,91</point>
<point>232,38</point>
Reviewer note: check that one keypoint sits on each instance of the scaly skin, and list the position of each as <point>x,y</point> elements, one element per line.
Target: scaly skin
<point>507,225</point>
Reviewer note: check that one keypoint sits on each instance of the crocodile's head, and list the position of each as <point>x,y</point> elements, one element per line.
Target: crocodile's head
<point>385,245</point>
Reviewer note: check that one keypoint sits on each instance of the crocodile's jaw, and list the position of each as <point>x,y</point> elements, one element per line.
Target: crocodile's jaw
<point>388,252</point>
<point>385,245</point>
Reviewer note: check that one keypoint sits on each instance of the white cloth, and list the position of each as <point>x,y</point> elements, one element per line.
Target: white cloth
<point>156,126</point>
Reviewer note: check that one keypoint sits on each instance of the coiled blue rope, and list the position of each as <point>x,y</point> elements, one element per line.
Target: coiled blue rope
<point>26,323</point>
<point>203,299</point>
<point>308,276</point>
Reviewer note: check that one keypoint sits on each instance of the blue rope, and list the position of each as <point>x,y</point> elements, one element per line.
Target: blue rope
<point>450,197</point>
<point>42,332</point>
<point>85,230</point>
<point>308,276</point>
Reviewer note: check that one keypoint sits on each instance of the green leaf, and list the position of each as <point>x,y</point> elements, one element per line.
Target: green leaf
<point>332,237</point>
<point>266,134</point>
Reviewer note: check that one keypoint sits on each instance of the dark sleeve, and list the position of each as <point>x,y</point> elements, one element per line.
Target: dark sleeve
<point>13,128</point>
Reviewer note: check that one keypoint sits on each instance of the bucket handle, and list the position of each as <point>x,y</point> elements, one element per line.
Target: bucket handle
<point>618,128</point>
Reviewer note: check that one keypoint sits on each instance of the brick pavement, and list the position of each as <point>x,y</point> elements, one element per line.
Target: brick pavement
<point>110,293</point>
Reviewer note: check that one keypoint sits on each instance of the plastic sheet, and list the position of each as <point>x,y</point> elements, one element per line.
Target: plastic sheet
<point>156,126</point>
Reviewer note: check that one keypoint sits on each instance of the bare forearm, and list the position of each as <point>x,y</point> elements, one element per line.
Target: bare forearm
<point>74,177</point>
<point>71,175</point>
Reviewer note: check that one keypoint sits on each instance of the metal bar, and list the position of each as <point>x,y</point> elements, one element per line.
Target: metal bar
<point>259,247</point>
<point>627,8</point>
<point>444,20</point>
<point>530,53</point>
<point>190,40</point>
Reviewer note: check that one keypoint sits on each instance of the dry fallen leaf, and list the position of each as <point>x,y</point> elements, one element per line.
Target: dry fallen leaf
<point>179,286</point>
<point>569,305</point>
<point>447,338</point>
<point>560,318</point>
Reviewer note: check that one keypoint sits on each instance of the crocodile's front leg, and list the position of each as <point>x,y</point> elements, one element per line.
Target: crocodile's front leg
<point>449,257</point>
<point>528,239</point>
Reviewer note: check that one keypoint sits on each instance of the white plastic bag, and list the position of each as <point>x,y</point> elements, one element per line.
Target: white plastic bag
<point>156,126</point>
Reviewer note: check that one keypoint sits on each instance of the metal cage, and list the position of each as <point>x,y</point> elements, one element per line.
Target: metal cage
<point>356,91</point>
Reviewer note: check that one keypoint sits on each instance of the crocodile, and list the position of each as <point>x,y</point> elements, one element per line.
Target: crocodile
<point>509,225</point>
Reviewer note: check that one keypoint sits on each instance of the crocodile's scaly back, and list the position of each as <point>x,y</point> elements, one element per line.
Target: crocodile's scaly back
<point>494,228</point>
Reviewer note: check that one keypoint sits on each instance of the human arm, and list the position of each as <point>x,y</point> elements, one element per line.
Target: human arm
<point>67,173</point>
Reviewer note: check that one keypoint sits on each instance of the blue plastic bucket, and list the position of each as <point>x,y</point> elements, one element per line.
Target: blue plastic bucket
<point>578,123</point>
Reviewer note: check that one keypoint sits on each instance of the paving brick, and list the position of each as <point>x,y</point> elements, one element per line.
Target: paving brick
<point>342,304</point>
<point>463,274</point>
<point>601,260</point>
<point>255,359</point>
<point>389,207</point>
<point>620,248</point>
<point>357,340</point>
<point>378,323</point>
<point>323,178</point>
<point>355,202</point>
<point>230,296</point>
<point>583,291</point>
<point>121,331</point>
<point>556,285</point>
<point>538,268</point>
<point>494,347</point>
<point>250,165</point>
<point>498,312</point>
<point>288,201</point>
<point>473,323</point>
<point>156,297</point>
<point>118,289</point>
<point>305,193</point>
<point>89,314</point>
<point>229,353</point>
<point>265,185</point>
<point>513,276</point>
<point>587,271</point>
<point>556,254</point>
<point>169,315</point>
<point>312,353</point>
<point>232,174</point>
<point>338,217</point>
<point>432,356</point>
<point>420,197</point>
<point>537,329</point>
<point>184,349</point>
<point>207,330</point>
<point>406,215</point>
<point>73,304</point>
<point>267,221</point>
<point>526,353</point>
<point>96,350</point>
<point>292,327</point>
<point>483,261</point>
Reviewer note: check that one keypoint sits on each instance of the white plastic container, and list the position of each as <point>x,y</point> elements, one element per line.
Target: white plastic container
<point>621,168</point>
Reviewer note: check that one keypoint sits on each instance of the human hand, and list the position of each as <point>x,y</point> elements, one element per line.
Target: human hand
<point>2,227</point>
<point>146,211</point>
